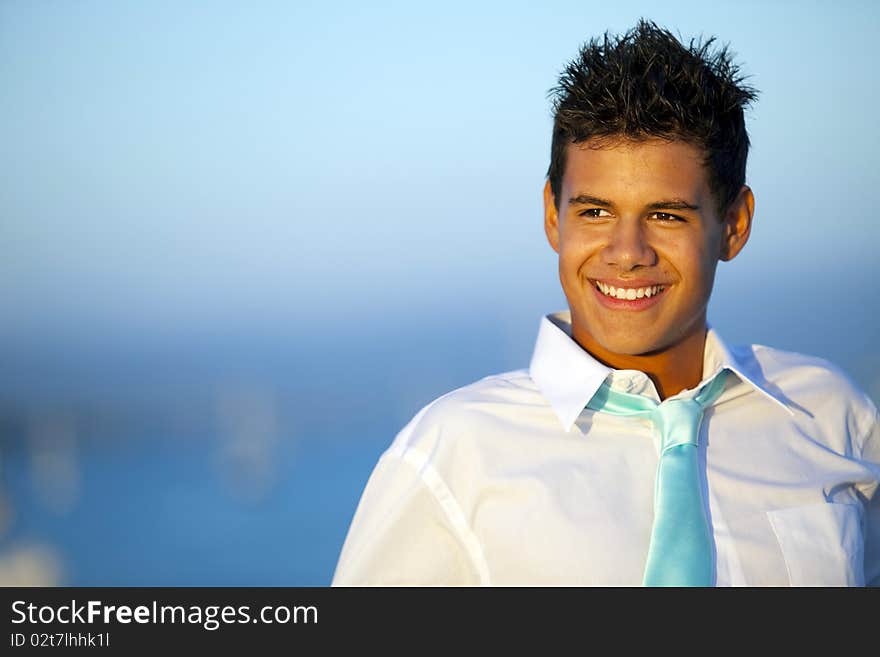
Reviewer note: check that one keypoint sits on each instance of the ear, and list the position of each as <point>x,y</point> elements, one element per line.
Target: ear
<point>737,224</point>
<point>551,217</point>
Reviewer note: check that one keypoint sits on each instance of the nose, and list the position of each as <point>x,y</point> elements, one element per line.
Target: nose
<point>628,247</point>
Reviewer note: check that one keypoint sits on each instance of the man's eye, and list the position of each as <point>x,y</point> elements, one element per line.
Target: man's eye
<point>595,212</point>
<point>665,216</point>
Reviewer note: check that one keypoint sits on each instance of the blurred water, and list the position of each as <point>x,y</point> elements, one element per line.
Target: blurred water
<point>240,461</point>
<point>154,513</point>
<point>205,463</point>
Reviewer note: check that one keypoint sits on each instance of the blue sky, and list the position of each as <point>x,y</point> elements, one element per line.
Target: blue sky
<point>176,166</point>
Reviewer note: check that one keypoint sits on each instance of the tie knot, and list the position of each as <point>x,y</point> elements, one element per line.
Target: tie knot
<point>678,421</point>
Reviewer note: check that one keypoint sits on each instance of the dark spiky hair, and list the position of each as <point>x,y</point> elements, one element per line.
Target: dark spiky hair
<point>646,84</point>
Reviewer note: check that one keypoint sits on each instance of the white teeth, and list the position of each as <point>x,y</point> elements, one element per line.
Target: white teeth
<point>630,293</point>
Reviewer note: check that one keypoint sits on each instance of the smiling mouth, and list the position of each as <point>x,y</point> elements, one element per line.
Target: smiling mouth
<point>628,293</point>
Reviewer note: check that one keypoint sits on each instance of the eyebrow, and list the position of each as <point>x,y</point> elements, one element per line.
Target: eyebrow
<point>673,204</point>
<point>586,199</point>
<point>665,204</point>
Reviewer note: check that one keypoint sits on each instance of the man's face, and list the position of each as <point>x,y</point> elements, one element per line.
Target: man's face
<point>638,236</point>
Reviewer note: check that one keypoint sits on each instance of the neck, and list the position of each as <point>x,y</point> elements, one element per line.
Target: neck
<point>672,370</point>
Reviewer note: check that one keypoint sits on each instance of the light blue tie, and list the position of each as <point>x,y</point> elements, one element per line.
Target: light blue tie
<point>680,553</point>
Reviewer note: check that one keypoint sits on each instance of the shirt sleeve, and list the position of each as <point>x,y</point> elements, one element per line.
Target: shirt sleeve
<point>407,530</point>
<point>871,454</point>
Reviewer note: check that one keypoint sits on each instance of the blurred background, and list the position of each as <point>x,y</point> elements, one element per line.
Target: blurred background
<point>244,242</point>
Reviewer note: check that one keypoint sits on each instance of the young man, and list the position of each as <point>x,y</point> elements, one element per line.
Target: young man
<point>638,448</point>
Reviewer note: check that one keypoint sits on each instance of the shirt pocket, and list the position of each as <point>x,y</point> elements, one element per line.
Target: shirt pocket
<point>821,543</point>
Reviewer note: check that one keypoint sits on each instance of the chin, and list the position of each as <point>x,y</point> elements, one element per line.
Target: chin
<point>634,344</point>
<point>630,348</point>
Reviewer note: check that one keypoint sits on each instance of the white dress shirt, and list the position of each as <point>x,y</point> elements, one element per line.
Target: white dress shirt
<point>512,481</point>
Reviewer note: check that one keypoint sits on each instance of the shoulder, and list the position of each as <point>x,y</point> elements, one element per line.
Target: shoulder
<point>483,406</point>
<point>809,384</point>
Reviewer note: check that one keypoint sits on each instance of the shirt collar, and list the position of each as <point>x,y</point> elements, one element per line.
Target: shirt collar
<point>568,376</point>
<point>717,356</point>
